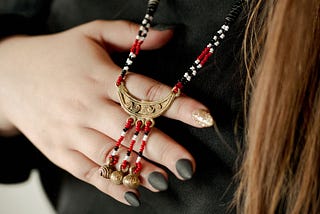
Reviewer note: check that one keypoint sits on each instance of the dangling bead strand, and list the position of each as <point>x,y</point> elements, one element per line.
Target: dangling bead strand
<point>125,162</point>
<point>147,129</point>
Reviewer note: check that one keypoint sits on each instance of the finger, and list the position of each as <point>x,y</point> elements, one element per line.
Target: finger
<point>97,147</point>
<point>160,147</point>
<point>184,108</point>
<point>85,169</point>
<point>120,35</point>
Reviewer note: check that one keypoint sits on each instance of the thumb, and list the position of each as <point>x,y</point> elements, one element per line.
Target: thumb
<point>120,35</point>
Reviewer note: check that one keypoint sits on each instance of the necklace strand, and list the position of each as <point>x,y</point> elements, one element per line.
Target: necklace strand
<point>129,175</point>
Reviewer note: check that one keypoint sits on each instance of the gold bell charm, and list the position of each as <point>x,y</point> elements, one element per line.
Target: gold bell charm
<point>132,179</point>
<point>117,176</point>
<point>106,171</point>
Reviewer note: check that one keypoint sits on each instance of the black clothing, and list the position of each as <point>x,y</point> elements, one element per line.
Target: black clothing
<point>218,86</point>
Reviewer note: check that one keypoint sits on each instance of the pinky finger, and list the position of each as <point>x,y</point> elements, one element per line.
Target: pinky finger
<point>83,168</point>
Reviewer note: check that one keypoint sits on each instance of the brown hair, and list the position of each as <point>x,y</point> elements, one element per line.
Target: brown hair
<point>280,171</point>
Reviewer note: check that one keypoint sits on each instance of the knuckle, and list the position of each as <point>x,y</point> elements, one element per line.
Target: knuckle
<point>154,91</point>
<point>97,22</point>
<point>104,152</point>
<point>88,175</point>
<point>132,27</point>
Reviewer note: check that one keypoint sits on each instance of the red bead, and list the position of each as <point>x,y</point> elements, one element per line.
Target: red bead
<point>124,164</point>
<point>119,141</point>
<point>138,167</point>
<point>203,53</point>
<point>129,123</point>
<point>115,160</point>
<point>119,80</point>
<point>138,126</point>
<point>177,87</point>
<point>131,145</point>
<point>205,59</point>
<point>143,145</point>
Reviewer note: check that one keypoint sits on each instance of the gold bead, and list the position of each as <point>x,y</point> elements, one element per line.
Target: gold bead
<point>116,177</point>
<point>131,181</point>
<point>105,171</point>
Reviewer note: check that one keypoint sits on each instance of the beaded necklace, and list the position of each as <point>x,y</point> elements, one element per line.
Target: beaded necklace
<point>141,112</point>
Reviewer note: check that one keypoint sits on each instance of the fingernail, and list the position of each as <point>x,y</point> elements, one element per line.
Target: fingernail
<point>158,181</point>
<point>202,118</point>
<point>184,168</point>
<point>132,199</point>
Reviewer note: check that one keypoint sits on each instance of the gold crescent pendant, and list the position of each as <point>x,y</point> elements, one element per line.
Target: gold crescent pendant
<point>143,109</point>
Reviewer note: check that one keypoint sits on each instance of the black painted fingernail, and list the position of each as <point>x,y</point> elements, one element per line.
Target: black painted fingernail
<point>184,168</point>
<point>158,181</point>
<point>132,199</point>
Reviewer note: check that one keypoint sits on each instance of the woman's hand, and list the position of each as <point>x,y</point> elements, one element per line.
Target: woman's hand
<point>59,90</point>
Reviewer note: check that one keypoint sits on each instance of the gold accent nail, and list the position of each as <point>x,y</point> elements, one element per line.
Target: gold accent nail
<point>202,118</point>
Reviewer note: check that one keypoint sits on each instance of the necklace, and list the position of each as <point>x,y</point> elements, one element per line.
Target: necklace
<point>141,112</point>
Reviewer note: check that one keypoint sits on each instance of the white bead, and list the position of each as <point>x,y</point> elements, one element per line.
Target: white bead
<point>126,68</point>
<point>215,38</point>
<point>148,25</point>
<point>137,37</point>
<point>189,78</point>
<point>126,158</point>
<point>186,75</point>
<point>134,137</point>
<point>138,159</point>
<point>114,152</point>
<point>192,68</point>
<point>132,55</point>
<point>147,16</point>
<point>144,21</point>
<point>142,28</point>
<point>123,133</point>
<point>225,27</point>
<point>209,45</point>
<point>141,39</point>
<point>216,43</point>
<point>211,50</point>
<point>222,36</point>
<point>194,72</point>
<point>129,62</point>
<point>145,137</point>
<point>199,66</point>
<point>219,31</point>
<point>197,61</point>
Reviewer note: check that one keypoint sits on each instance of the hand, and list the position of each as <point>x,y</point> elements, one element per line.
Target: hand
<point>59,91</point>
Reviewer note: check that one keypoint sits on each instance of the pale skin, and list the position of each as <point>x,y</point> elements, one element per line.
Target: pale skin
<point>59,91</point>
